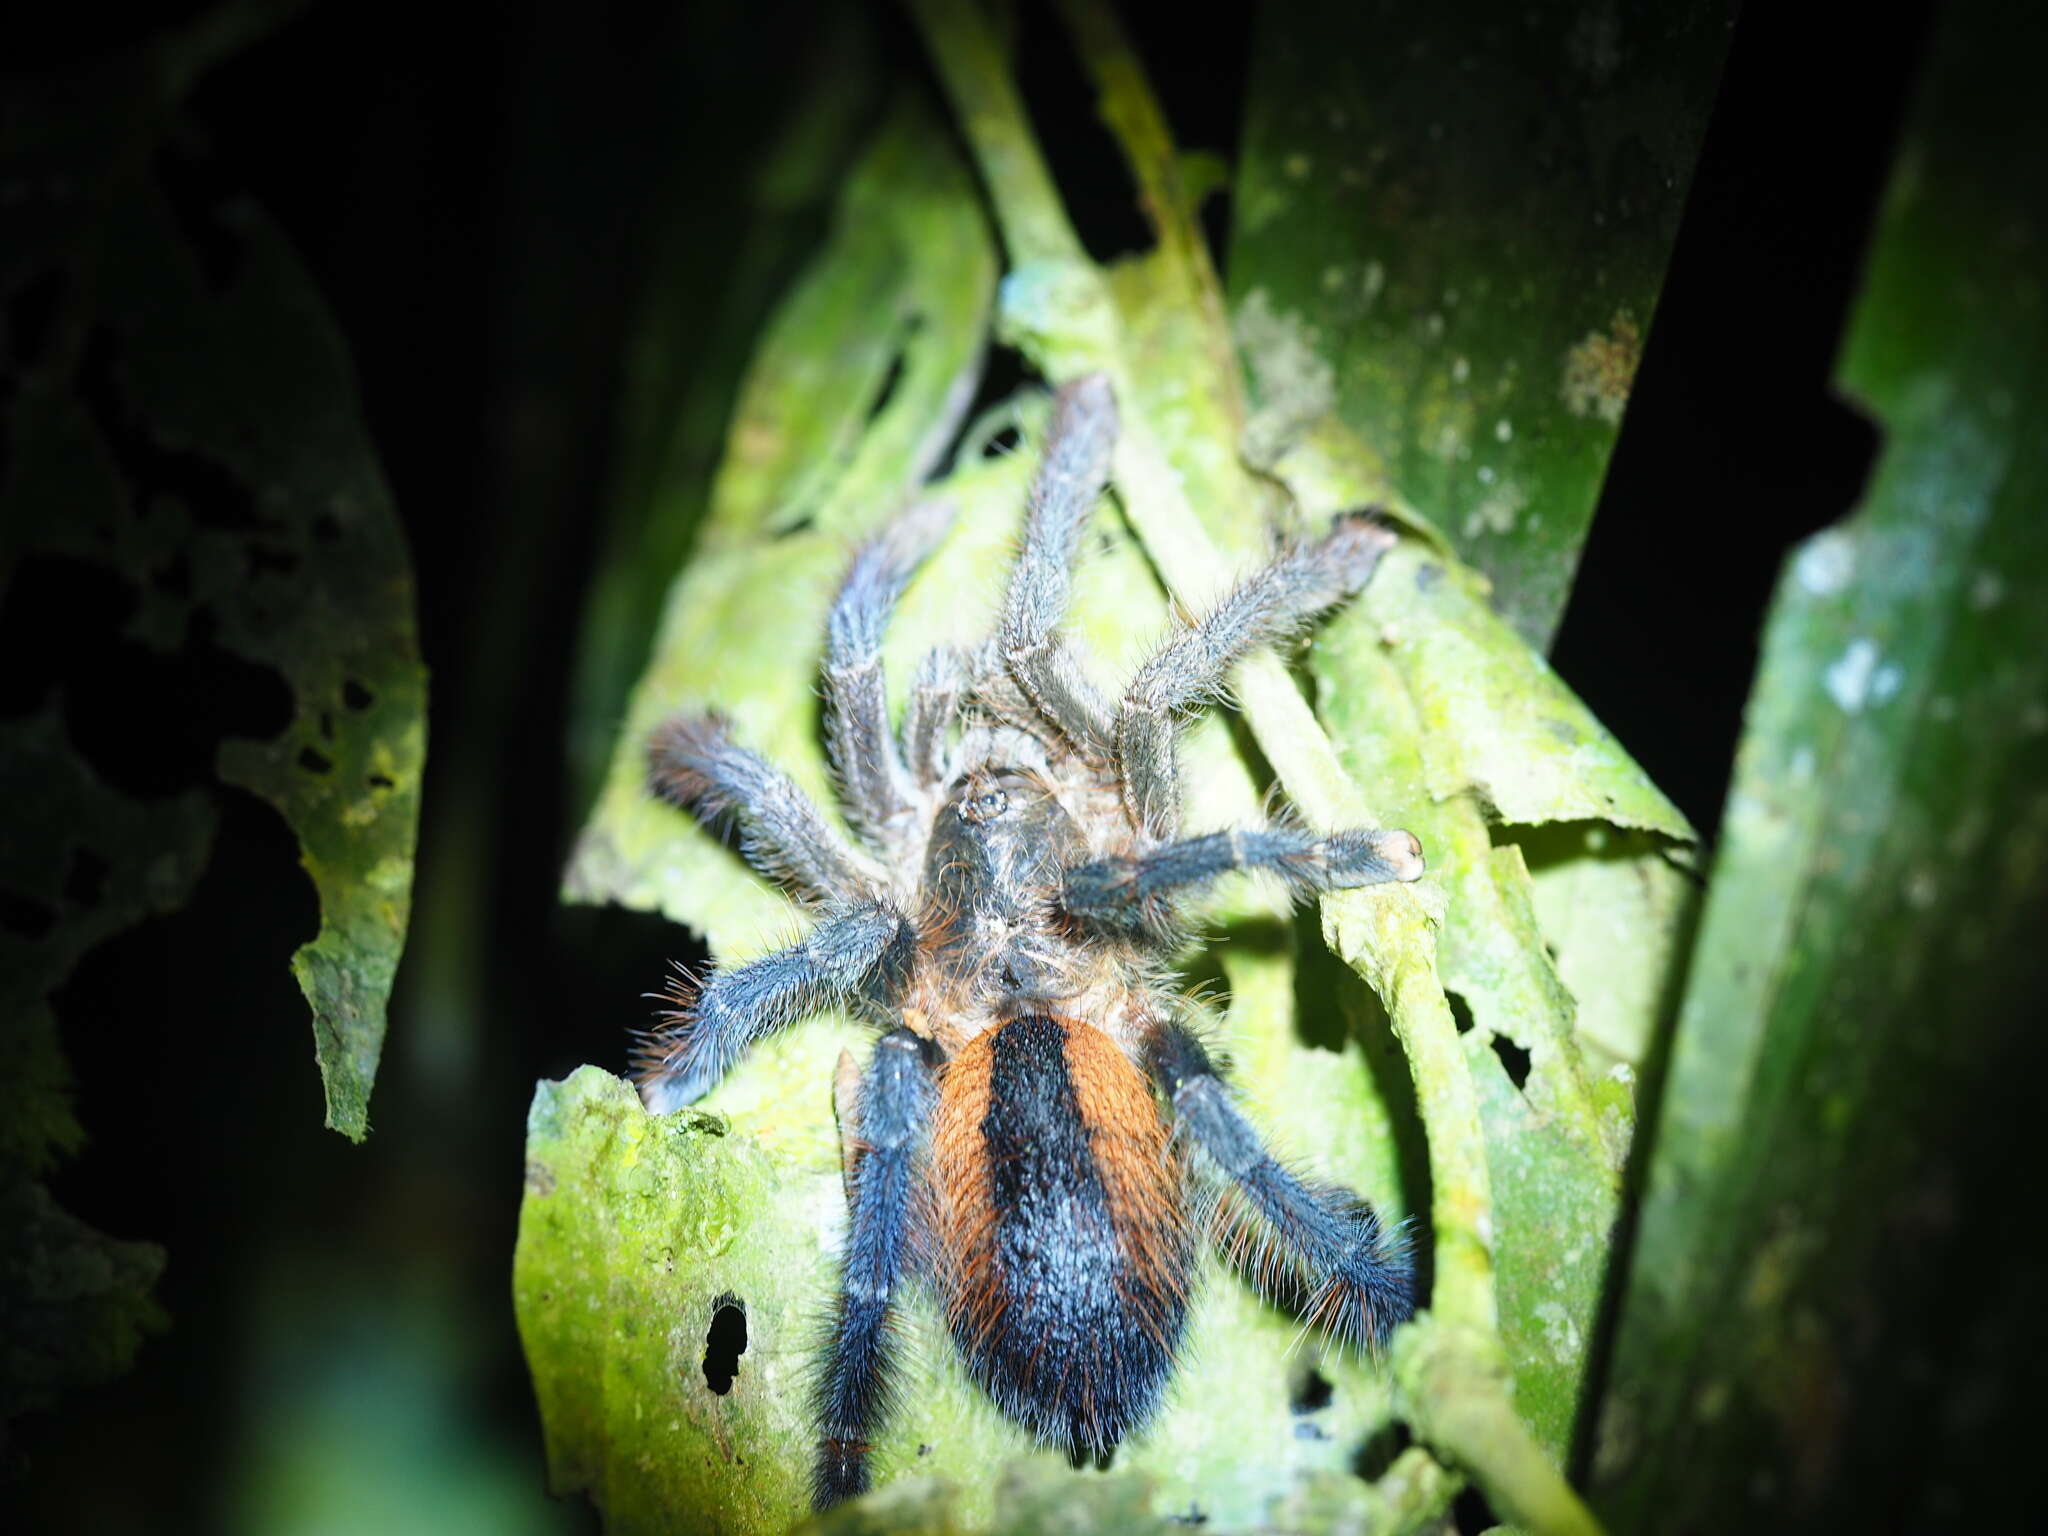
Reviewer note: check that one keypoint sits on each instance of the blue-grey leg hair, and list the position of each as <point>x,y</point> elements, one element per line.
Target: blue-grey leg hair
<point>876,785</point>
<point>859,956</point>
<point>1070,478</point>
<point>1136,891</point>
<point>897,1098</point>
<point>693,762</point>
<point>1319,1248</point>
<point>1269,605</point>
<point>935,697</point>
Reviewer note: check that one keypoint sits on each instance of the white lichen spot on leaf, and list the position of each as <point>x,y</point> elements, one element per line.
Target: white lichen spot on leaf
<point>1826,562</point>
<point>1600,367</point>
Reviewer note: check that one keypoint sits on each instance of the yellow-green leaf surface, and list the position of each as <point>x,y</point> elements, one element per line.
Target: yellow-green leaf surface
<point>192,425</point>
<point>1833,1284</point>
<point>1403,680</point>
<point>1442,311</point>
<point>779,1211</point>
<point>744,633</point>
<point>858,383</point>
<point>1449,723</point>
<point>696,324</point>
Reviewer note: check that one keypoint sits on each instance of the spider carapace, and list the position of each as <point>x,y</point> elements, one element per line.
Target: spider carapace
<point>1038,1125</point>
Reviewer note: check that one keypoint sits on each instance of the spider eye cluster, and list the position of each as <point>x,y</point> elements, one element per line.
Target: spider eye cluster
<point>984,805</point>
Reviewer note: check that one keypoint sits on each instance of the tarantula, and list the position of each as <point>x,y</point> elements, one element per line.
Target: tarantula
<point>1007,922</point>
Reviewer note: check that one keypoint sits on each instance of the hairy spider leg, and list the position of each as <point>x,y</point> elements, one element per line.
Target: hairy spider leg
<point>1134,891</point>
<point>1060,1230</point>
<point>693,763</point>
<point>1190,669</point>
<point>935,697</point>
<point>857,954</point>
<point>875,784</point>
<point>896,1102</point>
<point>1321,1246</point>
<point>1070,478</point>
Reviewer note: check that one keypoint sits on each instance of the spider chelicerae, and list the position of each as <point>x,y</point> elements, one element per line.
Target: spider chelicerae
<point>1032,1129</point>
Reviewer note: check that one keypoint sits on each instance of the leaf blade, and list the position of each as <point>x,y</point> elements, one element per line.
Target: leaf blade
<point>1466,215</point>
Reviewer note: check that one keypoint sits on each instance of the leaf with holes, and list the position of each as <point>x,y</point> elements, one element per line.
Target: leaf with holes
<point>858,384</point>
<point>190,422</point>
<point>81,862</point>
<point>780,1126</point>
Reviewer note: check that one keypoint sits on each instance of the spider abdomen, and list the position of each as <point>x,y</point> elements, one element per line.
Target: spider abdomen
<point>1062,1230</point>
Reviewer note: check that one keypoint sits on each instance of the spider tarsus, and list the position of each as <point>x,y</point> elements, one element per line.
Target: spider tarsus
<point>841,1473</point>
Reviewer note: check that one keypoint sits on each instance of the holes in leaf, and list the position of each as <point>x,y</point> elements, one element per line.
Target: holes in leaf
<point>1513,1058</point>
<point>1471,1514</point>
<point>314,762</point>
<point>1380,1449</point>
<point>31,315</point>
<point>174,577</point>
<point>24,916</point>
<point>1461,1014</point>
<point>1002,443</point>
<point>207,492</point>
<point>85,878</point>
<point>382,781</point>
<point>356,696</point>
<point>265,557</point>
<point>894,377</point>
<point>724,1342</point>
<point>1312,1392</point>
<point>197,190</point>
<point>149,722</point>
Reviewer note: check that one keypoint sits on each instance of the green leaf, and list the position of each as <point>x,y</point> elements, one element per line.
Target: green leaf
<point>197,354</point>
<point>1435,704</point>
<point>1554,1147</point>
<point>636,1228</point>
<point>1442,311</point>
<point>697,322</point>
<point>1868,977</point>
<point>1451,228</point>
<point>782,1214</point>
<point>744,633</point>
<point>857,385</point>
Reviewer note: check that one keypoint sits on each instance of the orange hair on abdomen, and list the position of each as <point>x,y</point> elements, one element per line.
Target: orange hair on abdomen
<point>1060,1222</point>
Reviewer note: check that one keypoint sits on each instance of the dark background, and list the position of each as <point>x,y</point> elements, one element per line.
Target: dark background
<point>481,203</point>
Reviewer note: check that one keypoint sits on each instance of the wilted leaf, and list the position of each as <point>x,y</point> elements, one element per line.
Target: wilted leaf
<point>191,424</point>
<point>1451,227</point>
<point>80,863</point>
<point>1868,971</point>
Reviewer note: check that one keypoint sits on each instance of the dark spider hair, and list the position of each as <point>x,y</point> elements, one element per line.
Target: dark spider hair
<point>1007,921</point>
